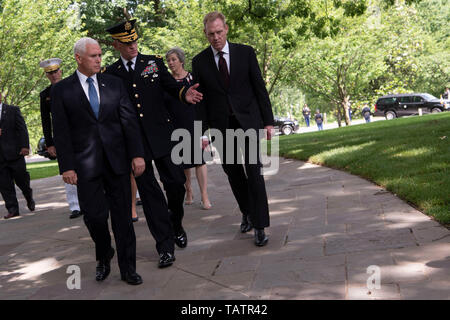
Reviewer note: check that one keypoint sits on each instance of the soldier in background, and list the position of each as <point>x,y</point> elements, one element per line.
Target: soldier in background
<point>52,68</point>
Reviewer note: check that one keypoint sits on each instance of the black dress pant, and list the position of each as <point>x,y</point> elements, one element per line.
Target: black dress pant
<point>10,172</point>
<point>173,179</point>
<point>244,171</point>
<point>155,210</point>
<point>100,194</point>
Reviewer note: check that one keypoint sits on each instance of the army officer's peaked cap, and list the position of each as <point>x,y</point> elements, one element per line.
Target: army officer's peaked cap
<point>124,31</point>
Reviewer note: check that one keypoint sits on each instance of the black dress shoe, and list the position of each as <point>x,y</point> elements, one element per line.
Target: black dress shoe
<point>135,219</point>
<point>246,225</point>
<point>166,259</point>
<point>132,278</point>
<point>11,214</point>
<point>104,266</point>
<point>75,214</point>
<point>31,204</point>
<point>139,202</point>
<point>260,237</point>
<point>181,239</point>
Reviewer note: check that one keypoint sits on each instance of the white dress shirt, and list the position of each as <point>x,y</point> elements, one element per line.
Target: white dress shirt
<point>125,61</point>
<point>1,106</point>
<point>85,84</point>
<point>226,55</point>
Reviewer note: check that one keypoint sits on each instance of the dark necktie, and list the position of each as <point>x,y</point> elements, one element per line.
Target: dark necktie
<point>93,97</point>
<point>223,69</point>
<point>130,68</point>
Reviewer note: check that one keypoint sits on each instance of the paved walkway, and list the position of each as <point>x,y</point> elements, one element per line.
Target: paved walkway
<point>327,228</point>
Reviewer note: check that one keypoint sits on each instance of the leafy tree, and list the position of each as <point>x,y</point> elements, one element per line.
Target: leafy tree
<point>31,32</point>
<point>432,16</point>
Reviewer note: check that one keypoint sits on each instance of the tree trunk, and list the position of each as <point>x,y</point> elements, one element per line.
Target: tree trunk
<point>342,91</point>
<point>126,14</point>
<point>345,110</point>
<point>344,104</point>
<point>338,116</point>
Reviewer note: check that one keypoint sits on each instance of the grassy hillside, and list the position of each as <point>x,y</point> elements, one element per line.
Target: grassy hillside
<point>408,156</point>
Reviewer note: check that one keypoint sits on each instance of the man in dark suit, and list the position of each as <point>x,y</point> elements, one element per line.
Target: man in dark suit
<point>97,138</point>
<point>14,145</point>
<point>235,97</point>
<point>52,69</point>
<point>146,78</point>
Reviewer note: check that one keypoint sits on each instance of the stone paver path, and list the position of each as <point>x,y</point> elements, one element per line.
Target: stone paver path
<point>327,228</point>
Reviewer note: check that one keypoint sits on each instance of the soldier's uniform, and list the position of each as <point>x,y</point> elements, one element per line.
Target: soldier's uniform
<point>53,65</point>
<point>146,82</point>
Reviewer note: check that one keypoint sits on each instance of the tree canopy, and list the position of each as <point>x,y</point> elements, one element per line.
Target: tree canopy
<point>331,54</point>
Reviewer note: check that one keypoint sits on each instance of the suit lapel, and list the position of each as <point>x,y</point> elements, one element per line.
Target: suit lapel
<point>140,65</point>
<point>103,95</point>
<point>79,92</point>
<point>3,119</point>
<point>120,69</point>
<point>233,61</point>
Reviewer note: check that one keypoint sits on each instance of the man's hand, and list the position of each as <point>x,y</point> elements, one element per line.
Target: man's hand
<point>192,95</point>
<point>70,177</point>
<point>138,166</point>
<point>269,132</point>
<point>52,151</point>
<point>24,151</point>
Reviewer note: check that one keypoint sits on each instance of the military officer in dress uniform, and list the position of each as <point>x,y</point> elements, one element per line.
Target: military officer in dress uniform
<point>146,78</point>
<point>52,69</point>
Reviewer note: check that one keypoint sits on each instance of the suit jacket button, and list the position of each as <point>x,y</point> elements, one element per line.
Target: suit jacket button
<point>141,115</point>
<point>152,80</point>
<point>138,105</point>
<point>168,120</point>
<point>134,85</point>
<point>136,95</point>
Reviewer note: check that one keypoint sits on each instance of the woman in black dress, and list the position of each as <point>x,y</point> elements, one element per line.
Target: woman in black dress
<point>184,117</point>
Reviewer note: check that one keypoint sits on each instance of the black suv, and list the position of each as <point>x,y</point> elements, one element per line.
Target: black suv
<point>397,105</point>
<point>285,125</point>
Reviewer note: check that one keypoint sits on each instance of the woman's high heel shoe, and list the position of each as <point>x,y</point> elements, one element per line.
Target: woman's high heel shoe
<point>189,202</point>
<point>206,206</point>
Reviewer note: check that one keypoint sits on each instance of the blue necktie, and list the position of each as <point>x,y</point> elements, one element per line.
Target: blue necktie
<point>93,98</point>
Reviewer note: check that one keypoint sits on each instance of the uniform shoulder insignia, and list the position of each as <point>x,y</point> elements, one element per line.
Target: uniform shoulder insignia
<point>103,69</point>
<point>158,56</point>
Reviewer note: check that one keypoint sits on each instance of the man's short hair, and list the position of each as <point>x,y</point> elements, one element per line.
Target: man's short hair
<point>212,16</point>
<point>179,52</point>
<point>80,45</point>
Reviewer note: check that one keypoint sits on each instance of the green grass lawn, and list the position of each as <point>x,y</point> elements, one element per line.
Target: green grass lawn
<point>408,156</point>
<point>44,169</point>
